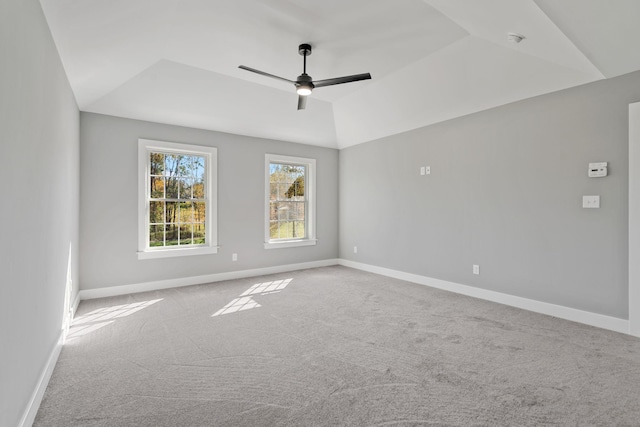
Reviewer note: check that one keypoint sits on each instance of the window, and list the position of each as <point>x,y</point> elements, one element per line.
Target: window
<point>290,201</point>
<point>177,199</point>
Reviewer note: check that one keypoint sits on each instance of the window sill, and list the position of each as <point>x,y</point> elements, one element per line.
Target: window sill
<point>169,253</point>
<point>290,244</point>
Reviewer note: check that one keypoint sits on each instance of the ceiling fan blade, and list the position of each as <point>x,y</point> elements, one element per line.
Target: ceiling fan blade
<point>302,102</point>
<point>253,70</point>
<point>340,80</point>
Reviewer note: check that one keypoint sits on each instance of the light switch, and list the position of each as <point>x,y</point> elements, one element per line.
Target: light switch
<point>591,202</point>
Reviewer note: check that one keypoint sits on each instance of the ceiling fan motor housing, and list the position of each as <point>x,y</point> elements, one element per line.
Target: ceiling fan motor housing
<point>304,80</point>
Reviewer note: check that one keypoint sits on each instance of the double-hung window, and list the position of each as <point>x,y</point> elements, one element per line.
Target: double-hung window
<point>290,201</point>
<point>177,199</point>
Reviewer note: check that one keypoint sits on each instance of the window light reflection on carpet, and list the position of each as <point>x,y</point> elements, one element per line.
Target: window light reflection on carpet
<point>97,319</point>
<point>245,302</point>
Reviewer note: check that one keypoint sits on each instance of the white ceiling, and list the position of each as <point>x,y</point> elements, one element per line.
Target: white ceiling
<point>176,61</point>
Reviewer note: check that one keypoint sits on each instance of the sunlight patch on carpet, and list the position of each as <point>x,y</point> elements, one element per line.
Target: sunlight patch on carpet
<point>97,319</point>
<point>245,302</point>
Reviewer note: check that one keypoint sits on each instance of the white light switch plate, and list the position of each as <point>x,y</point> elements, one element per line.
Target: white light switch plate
<point>591,202</point>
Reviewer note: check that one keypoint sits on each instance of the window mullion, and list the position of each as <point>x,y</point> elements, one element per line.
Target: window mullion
<point>164,220</point>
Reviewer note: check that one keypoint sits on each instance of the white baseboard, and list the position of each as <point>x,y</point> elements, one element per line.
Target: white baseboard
<point>31,411</point>
<point>199,280</point>
<point>575,315</point>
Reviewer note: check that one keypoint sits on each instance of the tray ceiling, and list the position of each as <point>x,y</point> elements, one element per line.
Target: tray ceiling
<point>176,62</point>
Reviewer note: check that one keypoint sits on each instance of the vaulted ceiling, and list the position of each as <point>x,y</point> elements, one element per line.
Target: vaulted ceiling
<point>176,61</point>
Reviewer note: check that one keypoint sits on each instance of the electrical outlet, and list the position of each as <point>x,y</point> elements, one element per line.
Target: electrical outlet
<point>422,170</point>
<point>476,269</point>
<point>591,202</point>
<point>234,257</point>
<point>355,249</point>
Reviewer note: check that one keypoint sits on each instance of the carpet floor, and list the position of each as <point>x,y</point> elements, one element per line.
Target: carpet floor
<point>335,346</point>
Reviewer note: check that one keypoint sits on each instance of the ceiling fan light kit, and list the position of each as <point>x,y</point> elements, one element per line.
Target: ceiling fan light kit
<point>304,90</point>
<point>304,83</point>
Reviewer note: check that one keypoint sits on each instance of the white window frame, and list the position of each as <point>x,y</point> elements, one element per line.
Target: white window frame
<point>310,195</point>
<point>145,147</point>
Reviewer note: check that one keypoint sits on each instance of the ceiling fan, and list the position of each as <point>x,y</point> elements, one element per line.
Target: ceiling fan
<point>304,83</point>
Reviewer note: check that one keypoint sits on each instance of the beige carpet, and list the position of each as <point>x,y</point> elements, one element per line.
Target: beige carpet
<point>335,346</point>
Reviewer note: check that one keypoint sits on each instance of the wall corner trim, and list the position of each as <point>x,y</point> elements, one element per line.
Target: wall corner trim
<point>31,410</point>
<point>634,219</point>
<point>74,306</point>
<point>86,294</point>
<point>588,318</point>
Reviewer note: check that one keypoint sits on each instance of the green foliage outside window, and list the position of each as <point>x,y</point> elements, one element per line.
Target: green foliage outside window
<point>177,209</point>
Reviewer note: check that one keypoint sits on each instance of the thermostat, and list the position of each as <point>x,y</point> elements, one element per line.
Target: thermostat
<point>597,170</point>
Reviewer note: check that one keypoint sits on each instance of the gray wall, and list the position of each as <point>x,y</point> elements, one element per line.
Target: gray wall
<point>108,211</point>
<point>39,152</point>
<point>505,192</point>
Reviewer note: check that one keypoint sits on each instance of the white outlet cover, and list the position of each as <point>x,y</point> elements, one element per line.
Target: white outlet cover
<point>427,170</point>
<point>591,202</point>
